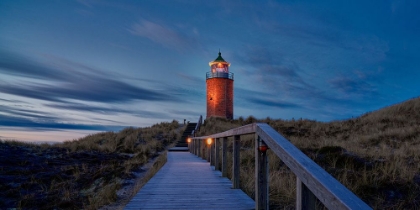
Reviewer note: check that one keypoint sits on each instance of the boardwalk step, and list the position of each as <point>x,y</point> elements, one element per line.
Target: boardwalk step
<point>187,132</point>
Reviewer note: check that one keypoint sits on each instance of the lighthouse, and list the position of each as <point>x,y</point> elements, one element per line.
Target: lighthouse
<point>219,82</point>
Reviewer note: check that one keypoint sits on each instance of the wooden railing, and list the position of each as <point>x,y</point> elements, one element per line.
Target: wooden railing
<point>311,180</point>
<point>197,127</point>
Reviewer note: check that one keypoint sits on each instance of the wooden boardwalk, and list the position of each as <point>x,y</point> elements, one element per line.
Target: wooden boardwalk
<point>188,182</point>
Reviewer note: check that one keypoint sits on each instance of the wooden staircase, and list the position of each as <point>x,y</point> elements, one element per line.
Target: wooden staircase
<point>187,132</point>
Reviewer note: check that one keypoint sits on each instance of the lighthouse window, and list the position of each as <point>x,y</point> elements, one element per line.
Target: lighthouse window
<point>222,69</point>
<point>219,67</point>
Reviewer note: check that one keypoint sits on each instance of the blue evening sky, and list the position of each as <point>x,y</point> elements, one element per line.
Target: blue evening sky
<point>70,68</point>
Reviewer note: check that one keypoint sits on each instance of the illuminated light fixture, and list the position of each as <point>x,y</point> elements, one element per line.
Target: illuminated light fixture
<point>189,140</point>
<point>262,147</point>
<point>209,141</point>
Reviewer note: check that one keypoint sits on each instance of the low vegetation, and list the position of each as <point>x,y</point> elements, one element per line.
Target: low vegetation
<point>80,174</point>
<point>377,155</point>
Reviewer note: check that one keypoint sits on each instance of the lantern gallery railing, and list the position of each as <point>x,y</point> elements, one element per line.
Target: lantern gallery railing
<point>312,181</point>
<point>210,75</point>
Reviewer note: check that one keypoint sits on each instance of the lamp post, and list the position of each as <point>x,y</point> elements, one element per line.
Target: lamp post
<point>261,174</point>
<point>262,147</point>
<point>209,141</point>
<point>189,143</point>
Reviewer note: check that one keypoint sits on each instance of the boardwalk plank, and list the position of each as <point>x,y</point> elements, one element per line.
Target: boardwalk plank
<point>188,182</point>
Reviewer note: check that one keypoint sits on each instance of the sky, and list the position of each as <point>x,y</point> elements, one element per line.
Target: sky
<point>72,68</point>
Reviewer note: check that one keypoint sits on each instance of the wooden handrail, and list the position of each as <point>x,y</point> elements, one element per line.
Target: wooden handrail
<point>197,127</point>
<point>312,180</point>
<point>200,121</point>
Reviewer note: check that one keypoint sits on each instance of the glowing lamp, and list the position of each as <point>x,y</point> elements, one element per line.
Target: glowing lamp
<point>209,141</point>
<point>262,147</point>
<point>189,140</point>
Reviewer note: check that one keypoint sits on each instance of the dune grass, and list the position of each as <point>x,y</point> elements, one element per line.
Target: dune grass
<point>377,155</point>
<point>81,174</point>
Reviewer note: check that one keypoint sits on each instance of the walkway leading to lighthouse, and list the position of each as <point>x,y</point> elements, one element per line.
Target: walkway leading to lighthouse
<point>188,182</point>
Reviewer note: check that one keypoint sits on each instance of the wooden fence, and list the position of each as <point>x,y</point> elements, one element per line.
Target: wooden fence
<point>312,181</point>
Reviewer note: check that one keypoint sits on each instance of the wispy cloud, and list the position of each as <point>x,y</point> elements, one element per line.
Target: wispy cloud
<point>86,108</point>
<point>162,34</point>
<point>58,83</point>
<point>11,121</point>
<point>107,110</point>
<point>87,3</point>
<point>27,113</point>
<point>68,82</point>
<point>358,85</point>
<point>277,75</point>
<point>11,101</point>
<point>18,65</point>
<point>323,38</point>
<point>43,120</point>
<point>273,102</point>
<point>185,112</point>
<point>254,98</point>
<point>280,82</point>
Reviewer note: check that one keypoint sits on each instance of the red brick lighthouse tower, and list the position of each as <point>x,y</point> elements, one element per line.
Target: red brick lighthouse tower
<point>219,89</point>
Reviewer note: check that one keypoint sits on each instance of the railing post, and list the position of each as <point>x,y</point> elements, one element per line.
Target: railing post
<point>199,147</point>
<point>200,151</point>
<point>212,152</point>
<point>197,143</point>
<point>216,154</point>
<point>261,176</point>
<point>305,199</point>
<point>203,147</point>
<point>208,148</point>
<point>195,147</point>
<point>236,161</point>
<point>224,157</point>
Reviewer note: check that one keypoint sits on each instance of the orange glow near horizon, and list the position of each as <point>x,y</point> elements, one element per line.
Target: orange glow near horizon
<point>34,136</point>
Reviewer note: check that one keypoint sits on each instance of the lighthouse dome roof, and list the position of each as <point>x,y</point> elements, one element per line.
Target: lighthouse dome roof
<point>219,59</point>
